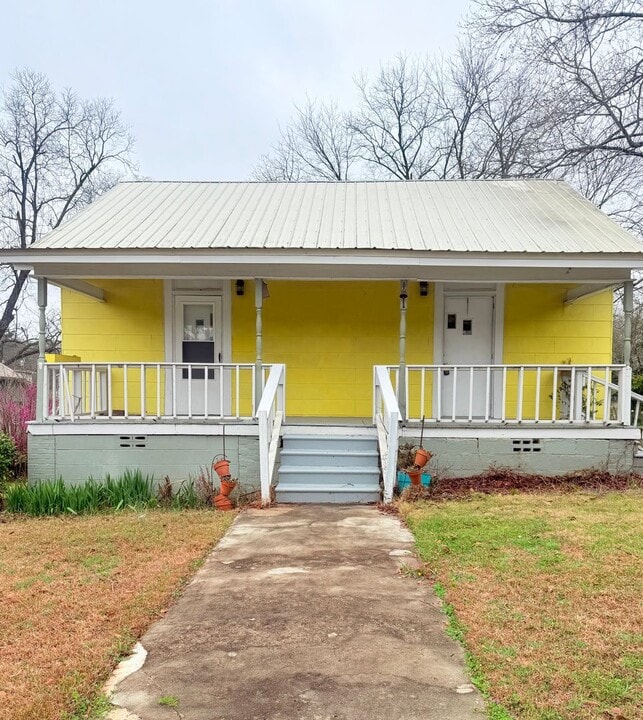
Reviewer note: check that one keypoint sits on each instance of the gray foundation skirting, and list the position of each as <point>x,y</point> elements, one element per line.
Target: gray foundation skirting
<point>463,457</point>
<point>76,457</point>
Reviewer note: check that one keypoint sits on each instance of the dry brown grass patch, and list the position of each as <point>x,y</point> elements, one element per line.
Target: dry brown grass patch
<point>76,592</point>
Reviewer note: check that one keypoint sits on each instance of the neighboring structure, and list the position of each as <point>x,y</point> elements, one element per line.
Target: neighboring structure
<point>484,307</point>
<point>8,375</point>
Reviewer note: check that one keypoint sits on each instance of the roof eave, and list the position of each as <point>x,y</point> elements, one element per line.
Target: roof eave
<point>325,264</point>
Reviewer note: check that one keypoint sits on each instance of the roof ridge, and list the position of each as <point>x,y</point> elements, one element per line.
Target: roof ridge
<point>473,181</point>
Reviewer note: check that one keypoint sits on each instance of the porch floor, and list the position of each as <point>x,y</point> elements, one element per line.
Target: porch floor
<point>334,421</point>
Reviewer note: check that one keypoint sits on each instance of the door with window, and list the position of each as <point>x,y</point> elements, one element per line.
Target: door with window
<point>468,340</point>
<point>198,342</point>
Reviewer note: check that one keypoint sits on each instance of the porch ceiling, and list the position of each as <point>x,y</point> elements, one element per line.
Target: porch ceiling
<point>311,265</point>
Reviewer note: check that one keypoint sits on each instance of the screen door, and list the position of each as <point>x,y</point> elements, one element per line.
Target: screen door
<point>198,342</point>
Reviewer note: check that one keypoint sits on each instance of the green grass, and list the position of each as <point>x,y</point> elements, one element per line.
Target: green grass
<point>542,590</point>
<point>169,701</point>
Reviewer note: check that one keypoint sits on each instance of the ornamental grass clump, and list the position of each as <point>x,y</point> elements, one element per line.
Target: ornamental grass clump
<point>54,497</point>
<point>131,490</point>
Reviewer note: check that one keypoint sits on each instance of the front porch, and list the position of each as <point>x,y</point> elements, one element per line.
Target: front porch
<point>100,418</point>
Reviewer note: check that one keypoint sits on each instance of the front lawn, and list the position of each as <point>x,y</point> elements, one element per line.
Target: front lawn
<point>545,591</point>
<point>77,591</point>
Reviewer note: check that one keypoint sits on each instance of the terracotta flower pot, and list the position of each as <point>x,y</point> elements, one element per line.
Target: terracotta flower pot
<point>227,486</point>
<point>416,477</point>
<point>221,502</point>
<point>422,457</point>
<point>222,467</point>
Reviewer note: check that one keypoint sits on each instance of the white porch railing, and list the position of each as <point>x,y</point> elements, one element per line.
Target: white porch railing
<point>271,414</point>
<point>386,416</point>
<point>514,394</point>
<point>149,391</point>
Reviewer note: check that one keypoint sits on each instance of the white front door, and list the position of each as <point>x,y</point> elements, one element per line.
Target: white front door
<point>468,340</point>
<point>198,341</point>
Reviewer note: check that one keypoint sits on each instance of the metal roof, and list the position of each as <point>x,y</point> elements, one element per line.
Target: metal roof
<point>506,216</point>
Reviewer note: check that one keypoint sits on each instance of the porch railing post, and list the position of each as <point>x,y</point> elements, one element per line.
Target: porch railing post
<point>628,308</point>
<point>401,384</point>
<point>41,396</point>
<point>625,395</point>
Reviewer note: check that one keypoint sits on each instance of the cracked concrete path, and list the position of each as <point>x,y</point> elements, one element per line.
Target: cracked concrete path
<point>300,613</point>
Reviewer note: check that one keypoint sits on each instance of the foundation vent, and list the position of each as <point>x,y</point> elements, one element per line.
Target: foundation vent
<point>133,441</point>
<point>525,446</point>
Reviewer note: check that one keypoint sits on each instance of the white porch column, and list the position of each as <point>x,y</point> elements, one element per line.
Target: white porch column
<point>258,341</point>
<point>625,379</point>
<point>628,308</point>
<point>401,384</point>
<point>40,376</point>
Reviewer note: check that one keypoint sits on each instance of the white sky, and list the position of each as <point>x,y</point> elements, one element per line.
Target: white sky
<point>205,84</point>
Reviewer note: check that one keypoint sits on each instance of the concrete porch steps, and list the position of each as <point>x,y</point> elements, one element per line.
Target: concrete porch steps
<point>337,468</point>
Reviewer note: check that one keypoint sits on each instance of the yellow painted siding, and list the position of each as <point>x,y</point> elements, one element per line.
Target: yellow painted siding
<point>540,328</point>
<point>127,327</point>
<point>330,334</point>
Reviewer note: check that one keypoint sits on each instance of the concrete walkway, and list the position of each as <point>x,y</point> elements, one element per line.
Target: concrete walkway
<point>300,613</point>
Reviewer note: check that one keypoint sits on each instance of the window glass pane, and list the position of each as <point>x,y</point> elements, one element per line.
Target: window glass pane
<point>198,323</point>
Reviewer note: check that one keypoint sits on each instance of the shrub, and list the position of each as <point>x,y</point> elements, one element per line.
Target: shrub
<point>7,456</point>
<point>17,408</point>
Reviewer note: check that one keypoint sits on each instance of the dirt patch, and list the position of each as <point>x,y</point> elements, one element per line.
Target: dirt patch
<point>505,480</point>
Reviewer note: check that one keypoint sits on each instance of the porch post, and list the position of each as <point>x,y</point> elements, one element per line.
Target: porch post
<point>628,308</point>
<point>40,376</point>
<point>401,383</point>
<point>258,341</point>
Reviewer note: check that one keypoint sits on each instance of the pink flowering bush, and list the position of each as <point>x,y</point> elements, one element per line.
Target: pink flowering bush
<point>17,408</point>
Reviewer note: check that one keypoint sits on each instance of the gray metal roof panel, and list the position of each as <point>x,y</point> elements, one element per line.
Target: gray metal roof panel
<point>532,216</point>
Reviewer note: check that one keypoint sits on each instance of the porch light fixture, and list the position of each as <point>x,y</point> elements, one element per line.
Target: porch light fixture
<point>240,287</point>
<point>424,288</point>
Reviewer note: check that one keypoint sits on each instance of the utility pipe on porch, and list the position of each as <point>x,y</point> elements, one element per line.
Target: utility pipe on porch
<point>628,308</point>
<point>401,382</point>
<point>42,348</point>
<point>258,341</point>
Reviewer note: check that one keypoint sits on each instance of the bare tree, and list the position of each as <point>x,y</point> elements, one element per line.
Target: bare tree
<point>493,120</point>
<point>18,344</point>
<point>397,124</point>
<point>57,153</point>
<point>316,145</point>
<point>594,47</point>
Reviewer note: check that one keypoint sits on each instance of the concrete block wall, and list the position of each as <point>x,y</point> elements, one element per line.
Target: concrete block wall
<point>74,458</point>
<point>463,457</point>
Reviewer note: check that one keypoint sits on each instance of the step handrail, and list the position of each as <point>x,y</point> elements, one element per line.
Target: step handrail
<point>387,416</point>
<point>271,413</point>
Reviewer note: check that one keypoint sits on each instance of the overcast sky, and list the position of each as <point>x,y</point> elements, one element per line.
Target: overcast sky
<point>204,84</point>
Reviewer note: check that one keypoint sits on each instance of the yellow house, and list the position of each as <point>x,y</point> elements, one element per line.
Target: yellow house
<point>309,327</point>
